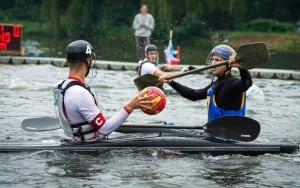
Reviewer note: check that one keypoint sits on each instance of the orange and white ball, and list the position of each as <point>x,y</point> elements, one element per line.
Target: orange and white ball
<point>158,98</point>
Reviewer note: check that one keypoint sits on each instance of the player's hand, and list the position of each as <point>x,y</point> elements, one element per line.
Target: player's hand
<point>163,79</point>
<point>234,63</point>
<point>139,100</point>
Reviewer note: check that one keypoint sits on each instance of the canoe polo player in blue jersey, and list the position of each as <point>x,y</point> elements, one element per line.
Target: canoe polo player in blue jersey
<point>227,94</point>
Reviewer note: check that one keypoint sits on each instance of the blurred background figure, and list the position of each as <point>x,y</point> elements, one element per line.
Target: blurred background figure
<point>143,25</point>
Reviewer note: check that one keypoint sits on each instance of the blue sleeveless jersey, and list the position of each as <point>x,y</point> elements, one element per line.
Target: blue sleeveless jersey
<point>214,111</point>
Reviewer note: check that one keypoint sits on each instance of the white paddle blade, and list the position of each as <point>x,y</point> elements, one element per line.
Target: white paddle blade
<point>40,124</point>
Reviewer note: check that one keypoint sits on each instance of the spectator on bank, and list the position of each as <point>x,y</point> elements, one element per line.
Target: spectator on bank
<point>143,25</point>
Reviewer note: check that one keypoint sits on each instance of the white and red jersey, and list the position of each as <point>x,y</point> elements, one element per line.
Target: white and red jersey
<point>147,67</point>
<point>79,106</point>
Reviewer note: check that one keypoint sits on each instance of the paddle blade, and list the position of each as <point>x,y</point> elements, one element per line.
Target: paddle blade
<point>234,127</point>
<point>40,124</point>
<point>146,81</point>
<point>253,55</point>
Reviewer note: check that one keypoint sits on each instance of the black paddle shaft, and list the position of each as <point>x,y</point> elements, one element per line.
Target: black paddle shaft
<point>229,127</point>
<point>198,70</point>
<point>250,55</point>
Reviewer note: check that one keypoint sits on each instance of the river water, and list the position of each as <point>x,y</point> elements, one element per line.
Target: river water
<point>26,92</point>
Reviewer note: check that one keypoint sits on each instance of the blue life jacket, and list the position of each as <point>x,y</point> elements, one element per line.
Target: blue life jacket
<point>214,111</point>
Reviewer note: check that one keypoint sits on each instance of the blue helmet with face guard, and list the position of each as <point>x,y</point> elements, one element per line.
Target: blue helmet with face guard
<point>222,50</point>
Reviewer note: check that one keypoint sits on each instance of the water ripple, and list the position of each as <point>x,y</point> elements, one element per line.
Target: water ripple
<point>26,91</point>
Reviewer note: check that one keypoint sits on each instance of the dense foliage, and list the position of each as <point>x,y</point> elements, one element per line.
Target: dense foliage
<point>267,25</point>
<point>89,18</point>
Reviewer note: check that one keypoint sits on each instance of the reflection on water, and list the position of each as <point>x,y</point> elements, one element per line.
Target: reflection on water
<point>112,49</point>
<point>228,171</point>
<point>76,165</point>
<point>33,48</point>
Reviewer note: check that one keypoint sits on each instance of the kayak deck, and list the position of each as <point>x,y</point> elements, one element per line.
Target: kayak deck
<point>178,144</point>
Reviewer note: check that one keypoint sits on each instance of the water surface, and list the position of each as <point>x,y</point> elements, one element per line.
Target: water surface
<point>26,92</point>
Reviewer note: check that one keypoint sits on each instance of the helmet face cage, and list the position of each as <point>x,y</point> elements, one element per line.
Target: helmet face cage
<point>93,66</point>
<point>208,63</point>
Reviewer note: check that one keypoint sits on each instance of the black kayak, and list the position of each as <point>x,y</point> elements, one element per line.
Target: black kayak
<point>243,130</point>
<point>177,144</point>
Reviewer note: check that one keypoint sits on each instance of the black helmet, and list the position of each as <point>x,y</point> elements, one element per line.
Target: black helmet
<point>150,48</point>
<point>79,51</point>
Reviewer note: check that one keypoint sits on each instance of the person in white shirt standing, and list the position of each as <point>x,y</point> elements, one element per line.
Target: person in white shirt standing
<point>143,25</point>
<point>77,106</point>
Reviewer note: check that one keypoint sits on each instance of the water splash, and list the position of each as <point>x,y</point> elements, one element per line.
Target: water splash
<point>255,92</point>
<point>20,84</point>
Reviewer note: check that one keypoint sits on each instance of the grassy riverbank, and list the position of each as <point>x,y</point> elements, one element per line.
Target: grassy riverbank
<point>284,48</point>
<point>287,42</point>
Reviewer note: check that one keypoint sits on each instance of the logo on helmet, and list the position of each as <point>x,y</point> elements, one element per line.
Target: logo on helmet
<point>79,51</point>
<point>88,50</point>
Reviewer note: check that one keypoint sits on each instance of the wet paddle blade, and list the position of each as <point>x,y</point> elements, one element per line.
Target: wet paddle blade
<point>146,81</point>
<point>40,124</point>
<point>253,55</point>
<point>234,127</point>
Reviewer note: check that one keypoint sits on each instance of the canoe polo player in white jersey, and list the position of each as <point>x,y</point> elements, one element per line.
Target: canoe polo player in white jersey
<point>77,106</point>
<point>150,64</point>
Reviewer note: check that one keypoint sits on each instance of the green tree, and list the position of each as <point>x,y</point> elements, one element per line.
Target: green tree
<point>77,21</point>
<point>162,13</point>
<point>87,18</point>
<point>222,14</point>
<point>52,10</point>
<point>15,10</point>
<point>286,11</point>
